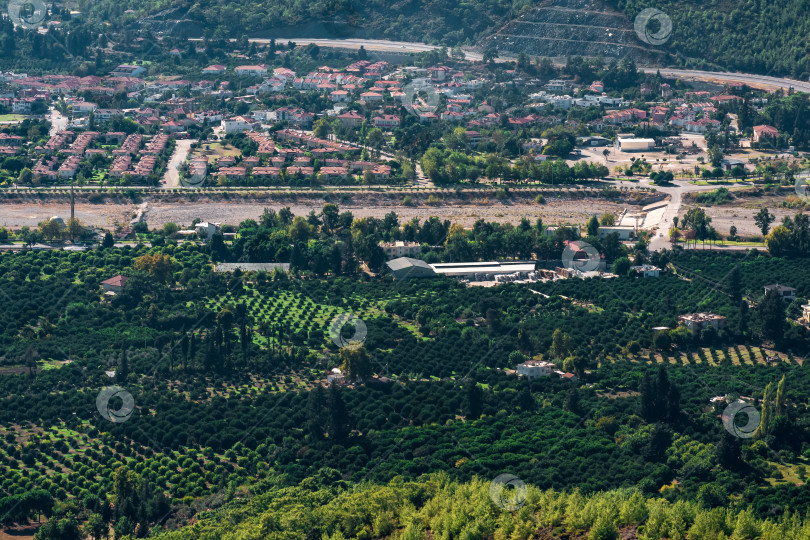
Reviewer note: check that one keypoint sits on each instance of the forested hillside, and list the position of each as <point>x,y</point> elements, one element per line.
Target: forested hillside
<point>762,36</point>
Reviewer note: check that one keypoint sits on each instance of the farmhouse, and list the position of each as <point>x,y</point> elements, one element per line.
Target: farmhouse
<point>115,284</point>
<point>533,369</point>
<point>700,321</point>
<point>647,270</point>
<point>764,131</point>
<point>400,249</point>
<point>788,294</point>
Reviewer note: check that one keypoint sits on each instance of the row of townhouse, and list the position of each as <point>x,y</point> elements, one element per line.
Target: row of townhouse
<point>69,166</point>
<point>82,142</point>
<point>156,145</point>
<point>145,166</point>
<point>56,143</point>
<point>130,146</point>
<point>46,168</point>
<point>120,165</point>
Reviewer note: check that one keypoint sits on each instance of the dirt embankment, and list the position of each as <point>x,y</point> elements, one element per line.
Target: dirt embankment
<point>564,206</point>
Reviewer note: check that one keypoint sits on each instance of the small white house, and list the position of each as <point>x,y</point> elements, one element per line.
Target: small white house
<point>647,270</point>
<point>533,369</point>
<point>206,230</point>
<point>336,376</point>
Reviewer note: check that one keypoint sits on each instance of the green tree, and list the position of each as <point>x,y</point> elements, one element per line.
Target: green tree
<point>356,362</point>
<point>621,266</point>
<point>772,313</point>
<point>474,400</point>
<point>763,220</point>
<point>560,344</point>
<point>593,226</point>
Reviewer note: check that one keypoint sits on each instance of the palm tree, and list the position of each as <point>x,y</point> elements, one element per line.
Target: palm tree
<point>606,153</point>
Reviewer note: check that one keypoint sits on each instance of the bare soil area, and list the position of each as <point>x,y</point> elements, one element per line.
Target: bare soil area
<point>464,211</point>
<point>741,213</point>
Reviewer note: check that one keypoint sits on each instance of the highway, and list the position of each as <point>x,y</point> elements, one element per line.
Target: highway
<point>382,45</point>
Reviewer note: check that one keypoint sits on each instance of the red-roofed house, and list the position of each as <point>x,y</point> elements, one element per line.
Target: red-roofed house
<point>115,284</point>
<point>765,131</point>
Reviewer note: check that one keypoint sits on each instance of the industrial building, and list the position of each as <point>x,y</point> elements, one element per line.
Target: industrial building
<point>635,145</point>
<point>406,268</point>
<point>483,271</point>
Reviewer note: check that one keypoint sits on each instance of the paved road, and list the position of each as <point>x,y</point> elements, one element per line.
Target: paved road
<point>172,177</point>
<point>675,192</point>
<point>412,47</point>
<point>58,121</point>
<point>749,79</point>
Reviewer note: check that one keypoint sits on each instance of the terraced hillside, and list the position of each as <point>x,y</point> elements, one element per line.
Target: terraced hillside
<point>559,28</point>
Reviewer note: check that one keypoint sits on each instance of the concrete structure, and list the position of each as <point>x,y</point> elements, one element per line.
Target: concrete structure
<point>128,70</point>
<point>406,268</point>
<point>483,271</point>
<point>115,284</point>
<point>624,232</point>
<point>534,369</point>
<point>252,267</point>
<point>206,230</point>
<point>788,294</point>
<point>401,249</point>
<point>647,270</point>
<point>700,321</point>
<point>636,145</point>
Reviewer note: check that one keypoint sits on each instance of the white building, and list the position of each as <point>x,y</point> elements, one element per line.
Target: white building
<point>788,294</point>
<point>237,124</point>
<point>624,232</point>
<point>533,369</point>
<point>636,145</point>
<point>401,249</point>
<point>647,270</point>
<point>206,230</point>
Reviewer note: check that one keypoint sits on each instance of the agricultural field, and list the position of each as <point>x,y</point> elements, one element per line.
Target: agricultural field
<point>215,384</point>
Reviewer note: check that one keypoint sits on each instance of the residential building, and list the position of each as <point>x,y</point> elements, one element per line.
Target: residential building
<point>251,71</point>
<point>765,131</point>
<point>647,270</point>
<point>206,230</point>
<point>700,321</point>
<point>534,369</point>
<point>386,121</point>
<point>788,294</point>
<point>400,248</point>
<point>115,284</point>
